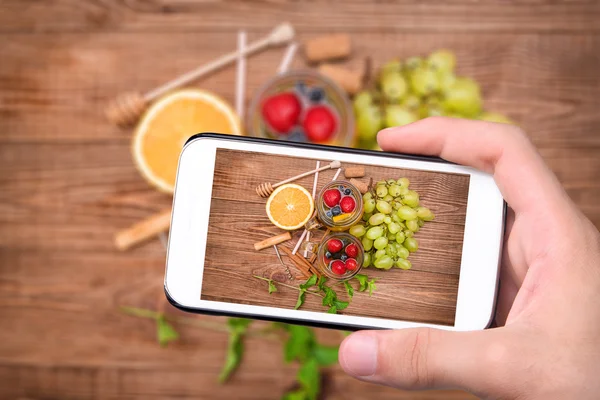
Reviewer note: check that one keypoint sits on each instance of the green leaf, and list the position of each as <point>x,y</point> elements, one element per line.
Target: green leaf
<point>330,297</point>
<point>235,349</point>
<point>301,297</point>
<point>239,324</point>
<point>299,344</point>
<point>362,279</point>
<point>312,281</point>
<point>372,287</point>
<point>325,355</point>
<point>309,377</point>
<point>340,305</point>
<point>321,282</point>
<point>349,288</point>
<point>272,287</point>
<point>165,333</point>
<point>296,395</point>
<point>332,310</point>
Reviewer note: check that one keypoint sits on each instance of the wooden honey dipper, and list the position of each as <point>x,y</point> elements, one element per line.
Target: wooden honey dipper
<point>265,189</point>
<point>128,107</point>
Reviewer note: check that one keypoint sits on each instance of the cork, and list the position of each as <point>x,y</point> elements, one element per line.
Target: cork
<point>363,187</point>
<point>354,172</point>
<point>349,80</point>
<point>327,48</point>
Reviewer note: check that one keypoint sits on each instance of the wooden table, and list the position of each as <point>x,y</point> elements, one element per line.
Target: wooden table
<point>67,182</point>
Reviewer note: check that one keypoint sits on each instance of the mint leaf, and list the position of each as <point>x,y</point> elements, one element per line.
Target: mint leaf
<point>372,287</point>
<point>297,395</point>
<point>312,281</point>
<point>362,279</point>
<point>301,297</point>
<point>321,282</point>
<point>239,324</point>
<point>165,333</point>
<point>272,287</point>
<point>309,377</point>
<point>340,305</point>
<point>235,347</point>
<point>349,289</point>
<point>325,355</point>
<point>299,344</point>
<point>330,297</point>
<point>332,310</point>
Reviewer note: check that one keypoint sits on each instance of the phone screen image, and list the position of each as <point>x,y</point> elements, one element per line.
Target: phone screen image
<point>423,290</point>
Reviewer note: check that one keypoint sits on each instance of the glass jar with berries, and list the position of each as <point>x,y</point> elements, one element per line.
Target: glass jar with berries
<point>339,205</point>
<point>340,256</point>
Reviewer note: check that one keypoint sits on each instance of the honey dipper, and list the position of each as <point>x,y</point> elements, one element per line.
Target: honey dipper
<point>128,107</point>
<point>265,189</point>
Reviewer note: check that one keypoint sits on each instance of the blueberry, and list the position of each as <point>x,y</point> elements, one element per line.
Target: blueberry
<point>329,214</point>
<point>301,87</point>
<point>344,257</point>
<point>336,210</point>
<point>316,95</point>
<point>341,187</point>
<point>347,191</point>
<point>297,135</point>
<point>327,254</point>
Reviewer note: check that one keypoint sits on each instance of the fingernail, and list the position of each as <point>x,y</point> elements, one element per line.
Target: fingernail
<point>359,355</point>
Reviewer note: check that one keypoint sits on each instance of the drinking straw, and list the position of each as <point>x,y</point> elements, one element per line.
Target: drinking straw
<point>288,57</point>
<point>240,81</point>
<point>337,174</point>
<point>314,192</point>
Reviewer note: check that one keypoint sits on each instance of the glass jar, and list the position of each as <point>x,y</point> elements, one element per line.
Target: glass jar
<point>352,258</point>
<point>337,215</point>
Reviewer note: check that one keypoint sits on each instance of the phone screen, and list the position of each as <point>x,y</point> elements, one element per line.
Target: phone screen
<point>424,289</point>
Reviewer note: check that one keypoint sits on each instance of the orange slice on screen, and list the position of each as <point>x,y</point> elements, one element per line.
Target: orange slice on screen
<point>290,207</point>
<point>168,123</point>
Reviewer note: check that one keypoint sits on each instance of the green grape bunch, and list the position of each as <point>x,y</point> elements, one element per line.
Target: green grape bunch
<point>417,88</point>
<point>392,215</point>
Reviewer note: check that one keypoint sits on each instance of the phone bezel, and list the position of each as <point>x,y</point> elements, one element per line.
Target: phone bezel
<point>180,289</point>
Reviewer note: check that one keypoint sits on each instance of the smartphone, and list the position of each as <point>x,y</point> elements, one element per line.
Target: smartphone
<point>218,215</point>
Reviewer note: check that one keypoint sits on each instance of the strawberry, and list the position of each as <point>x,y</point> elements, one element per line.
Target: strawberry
<point>352,250</point>
<point>338,267</point>
<point>334,245</point>
<point>351,264</point>
<point>348,204</point>
<point>320,124</point>
<point>281,112</point>
<point>332,197</point>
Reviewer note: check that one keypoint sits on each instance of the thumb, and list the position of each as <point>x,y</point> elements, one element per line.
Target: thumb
<point>424,358</point>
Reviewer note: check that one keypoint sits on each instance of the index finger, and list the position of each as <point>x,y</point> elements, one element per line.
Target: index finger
<point>499,149</point>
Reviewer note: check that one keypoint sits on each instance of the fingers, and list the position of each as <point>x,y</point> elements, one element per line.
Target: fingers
<point>421,358</point>
<point>499,149</point>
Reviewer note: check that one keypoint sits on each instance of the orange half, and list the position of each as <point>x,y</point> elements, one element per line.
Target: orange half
<point>290,207</point>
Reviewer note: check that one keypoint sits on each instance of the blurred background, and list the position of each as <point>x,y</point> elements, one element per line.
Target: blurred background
<point>70,180</point>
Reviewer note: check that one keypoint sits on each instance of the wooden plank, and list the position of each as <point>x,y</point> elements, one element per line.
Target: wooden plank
<point>391,16</point>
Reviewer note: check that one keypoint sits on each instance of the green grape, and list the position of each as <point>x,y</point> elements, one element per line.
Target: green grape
<point>369,206</point>
<point>366,260</point>
<point>413,63</point>
<point>367,243</point>
<point>395,216</point>
<point>400,237</point>
<point>387,220</point>
<point>394,190</point>
<point>413,225</point>
<point>403,182</point>
<point>375,232</point>
<point>368,122</point>
<point>495,117</point>
<point>404,190</point>
<point>392,66</point>
<point>442,60</point>
<point>390,250</point>
<point>380,243</point>
<point>388,198</point>
<point>381,190</point>
<point>420,222</point>
<point>362,100</point>
<point>424,81</point>
<point>376,219</point>
<point>384,207</point>
<point>393,87</point>
<point>411,199</point>
<point>425,213</point>
<point>397,204</point>
<point>396,115</point>
<point>446,80</point>
<point>393,228</point>
<point>402,225</point>
<point>410,102</point>
<point>366,217</point>
<point>403,263</point>
<point>406,213</point>
<point>357,230</point>
<point>390,182</point>
<point>463,97</point>
<point>402,252</point>
<point>367,196</point>
<point>408,233</point>
<point>384,262</point>
<point>411,244</point>
<point>379,254</point>
<point>382,183</point>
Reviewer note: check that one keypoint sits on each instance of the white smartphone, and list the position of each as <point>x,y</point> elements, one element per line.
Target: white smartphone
<point>212,265</point>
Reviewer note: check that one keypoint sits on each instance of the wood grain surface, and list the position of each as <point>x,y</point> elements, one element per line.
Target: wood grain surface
<point>426,293</point>
<point>67,182</point>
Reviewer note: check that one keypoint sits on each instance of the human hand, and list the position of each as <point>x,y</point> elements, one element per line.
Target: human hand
<point>548,342</point>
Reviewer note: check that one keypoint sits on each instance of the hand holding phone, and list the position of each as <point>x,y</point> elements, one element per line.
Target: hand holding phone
<point>549,340</point>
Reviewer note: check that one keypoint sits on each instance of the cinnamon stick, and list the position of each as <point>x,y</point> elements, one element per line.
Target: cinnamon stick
<point>303,267</point>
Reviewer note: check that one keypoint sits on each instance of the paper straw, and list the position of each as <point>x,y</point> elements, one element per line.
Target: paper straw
<point>314,193</point>
<point>288,57</point>
<point>299,241</point>
<point>240,81</point>
<point>337,174</point>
